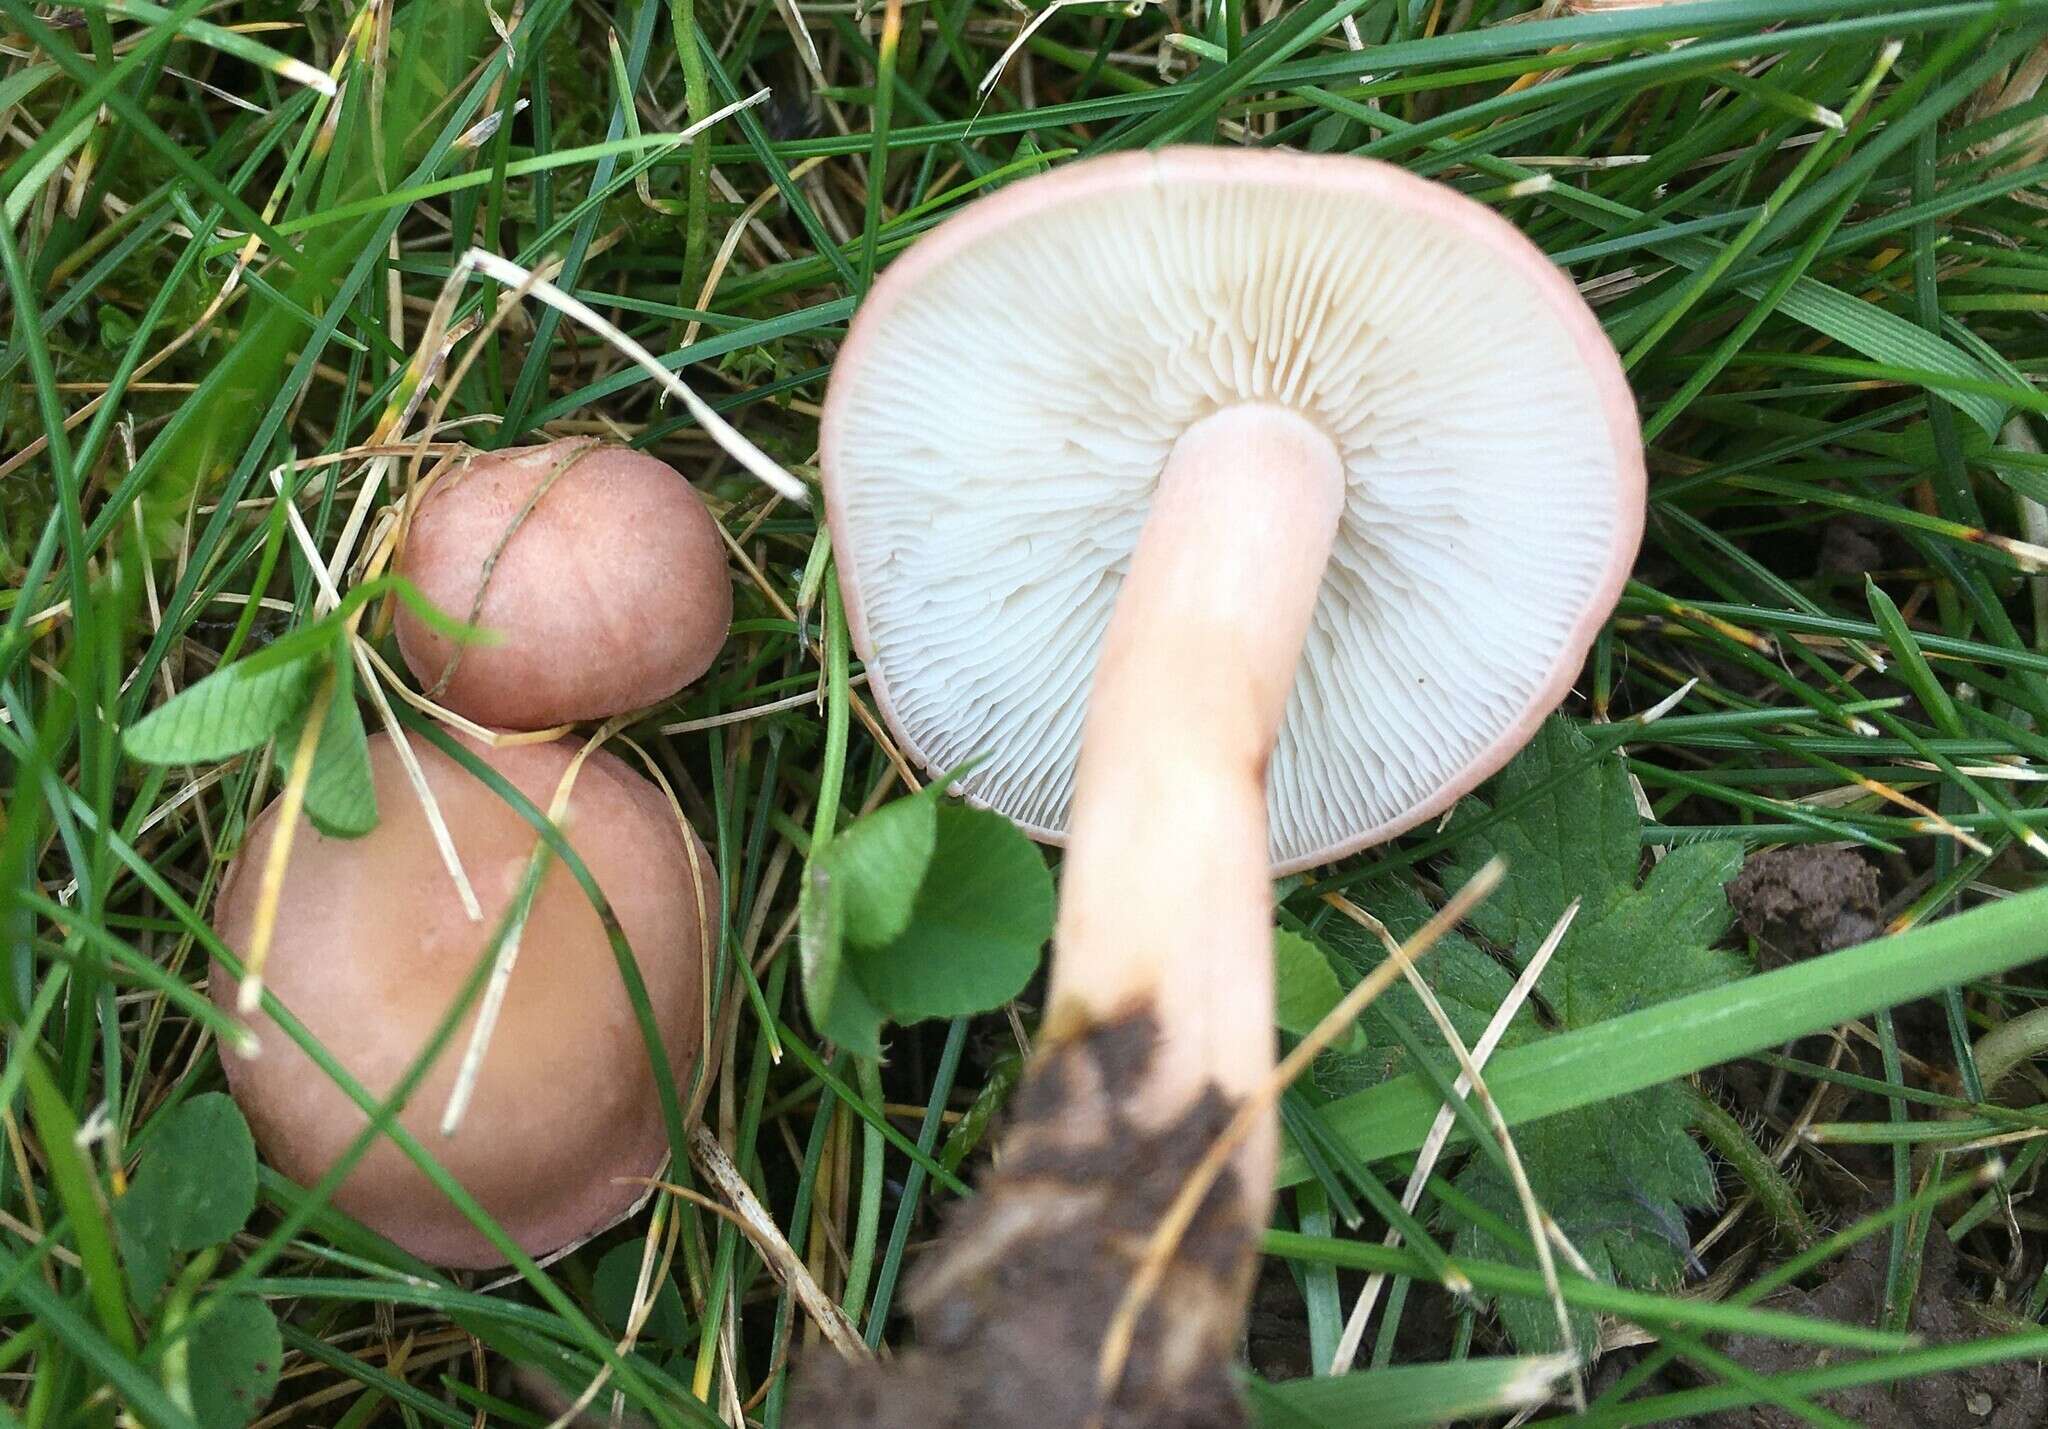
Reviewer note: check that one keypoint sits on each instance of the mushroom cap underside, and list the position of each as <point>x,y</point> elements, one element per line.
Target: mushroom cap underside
<point>1009,393</point>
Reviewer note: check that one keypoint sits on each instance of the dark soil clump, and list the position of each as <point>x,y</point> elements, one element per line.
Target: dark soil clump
<point>1803,901</point>
<point>1012,1307</point>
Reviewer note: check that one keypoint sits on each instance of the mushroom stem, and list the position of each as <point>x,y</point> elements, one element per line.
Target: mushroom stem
<point>1160,1021</point>
<point>1165,903</point>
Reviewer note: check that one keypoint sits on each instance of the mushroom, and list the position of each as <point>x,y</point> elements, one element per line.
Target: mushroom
<point>1235,510</point>
<point>598,567</point>
<point>372,945</point>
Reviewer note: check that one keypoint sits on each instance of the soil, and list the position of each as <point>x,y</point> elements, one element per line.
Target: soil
<point>2012,1395</point>
<point>1806,900</point>
<point>1012,1307</point>
<point>1276,1332</point>
<point>1851,546</point>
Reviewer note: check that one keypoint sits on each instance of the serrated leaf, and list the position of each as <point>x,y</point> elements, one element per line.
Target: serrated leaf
<point>1306,988</point>
<point>230,712</point>
<point>1576,836</point>
<point>979,922</point>
<point>839,1009</point>
<point>1654,944</point>
<point>1618,1177</point>
<point>194,1186</point>
<point>235,1356</point>
<point>341,794</point>
<point>1469,984</point>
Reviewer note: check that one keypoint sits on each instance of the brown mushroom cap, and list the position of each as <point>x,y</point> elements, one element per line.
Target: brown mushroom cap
<point>610,594</point>
<point>372,946</point>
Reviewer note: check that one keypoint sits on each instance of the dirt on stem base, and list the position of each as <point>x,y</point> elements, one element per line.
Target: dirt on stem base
<point>1011,1308</point>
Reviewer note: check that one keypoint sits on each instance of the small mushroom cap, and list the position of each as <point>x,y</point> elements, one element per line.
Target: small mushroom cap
<point>372,947</point>
<point>610,594</point>
<point>1011,388</point>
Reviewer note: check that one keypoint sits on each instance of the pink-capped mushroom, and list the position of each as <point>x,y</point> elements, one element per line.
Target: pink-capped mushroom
<point>597,567</point>
<point>563,1123</point>
<point>1236,510</point>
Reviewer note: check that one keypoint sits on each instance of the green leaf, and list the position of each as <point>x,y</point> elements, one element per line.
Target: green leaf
<point>975,931</point>
<point>1864,327</point>
<point>861,885</point>
<point>1468,983</point>
<point>1654,944</point>
<point>1911,662</point>
<point>230,712</point>
<point>77,1191</point>
<point>194,1186</point>
<point>1305,988</point>
<point>22,83</point>
<point>878,863</point>
<point>611,1290</point>
<point>330,632</point>
<point>1407,1396</point>
<point>1577,838</point>
<point>920,909</point>
<point>839,1009</point>
<point>1618,1177</point>
<point>235,1355</point>
<point>341,796</point>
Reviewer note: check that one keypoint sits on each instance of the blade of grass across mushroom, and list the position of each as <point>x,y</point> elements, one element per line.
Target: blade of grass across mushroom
<point>505,953</point>
<point>552,839</point>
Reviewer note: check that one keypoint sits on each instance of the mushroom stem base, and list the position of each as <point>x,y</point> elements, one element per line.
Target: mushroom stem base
<point>1013,1308</point>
